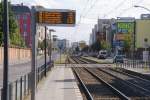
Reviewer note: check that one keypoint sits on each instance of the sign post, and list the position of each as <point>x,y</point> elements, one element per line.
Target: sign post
<point>6,33</point>
<point>60,48</point>
<point>34,53</point>
<point>45,43</point>
<point>46,17</point>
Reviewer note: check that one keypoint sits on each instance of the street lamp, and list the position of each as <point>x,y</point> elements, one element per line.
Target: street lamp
<point>51,30</point>
<point>6,44</point>
<point>45,50</point>
<point>137,6</point>
<point>50,51</point>
<point>145,40</point>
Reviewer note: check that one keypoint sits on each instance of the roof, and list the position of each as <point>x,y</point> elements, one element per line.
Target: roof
<point>20,9</point>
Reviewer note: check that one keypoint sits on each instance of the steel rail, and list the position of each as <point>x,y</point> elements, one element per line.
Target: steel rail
<point>86,91</point>
<point>130,75</point>
<point>119,93</point>
<point>127,83</point>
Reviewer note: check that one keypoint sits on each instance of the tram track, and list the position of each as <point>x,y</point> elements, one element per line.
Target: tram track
<point>93,87</point>
<point>123,85</point>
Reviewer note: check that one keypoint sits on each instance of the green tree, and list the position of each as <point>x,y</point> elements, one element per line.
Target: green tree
<point>77,49</point>
<point>127,42</point>
<point>1,34</point>
<point>85,49</point>
<point>105,45</point>
<point>96,46</point>
<point>15,38</point>
<point>41,45</point>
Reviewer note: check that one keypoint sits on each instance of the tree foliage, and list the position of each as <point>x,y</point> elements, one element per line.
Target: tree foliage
<point>41,45</point>
<point>15,38</point>
<point>105,45</point>
<point>96,46</point>
<point>85,49</point>
<point>77,49</point>
<point>127,42</point>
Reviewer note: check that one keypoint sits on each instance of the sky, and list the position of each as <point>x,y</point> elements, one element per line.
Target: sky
<point>88,11</point>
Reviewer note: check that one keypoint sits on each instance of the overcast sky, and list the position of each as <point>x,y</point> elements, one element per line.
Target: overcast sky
<point>87,13</point>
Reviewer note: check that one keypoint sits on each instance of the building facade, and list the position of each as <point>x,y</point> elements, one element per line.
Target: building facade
<point>105,30</point>
<point>74,45</point>
<point>142,33</point>
<point>82,45</point>
<point>23,16</point>
<point>63,44</point>
<point>41,32</point>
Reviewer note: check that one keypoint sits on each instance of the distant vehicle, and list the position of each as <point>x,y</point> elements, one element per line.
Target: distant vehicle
<point>118,58</point>
<point>85,55</point>
<point>94,54</point>
<point>102,54</point>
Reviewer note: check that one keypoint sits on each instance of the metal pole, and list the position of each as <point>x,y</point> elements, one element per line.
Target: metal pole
<point>34,52</point>
<point>21,88</point>
<point>45,49</point>
<point>60,56</point>
<point>50,48</point>
<point>6,33</point>
<point>134,43</point>
<point>16,88</point>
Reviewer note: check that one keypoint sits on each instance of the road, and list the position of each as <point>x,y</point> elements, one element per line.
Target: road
<point>18,70</point>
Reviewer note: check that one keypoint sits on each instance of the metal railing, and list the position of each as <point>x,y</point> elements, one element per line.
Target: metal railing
<point>134,64</point>
<point>20,89</point>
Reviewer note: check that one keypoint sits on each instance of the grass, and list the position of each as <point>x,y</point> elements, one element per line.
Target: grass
<point>62,61</point>
<point>98,60</point>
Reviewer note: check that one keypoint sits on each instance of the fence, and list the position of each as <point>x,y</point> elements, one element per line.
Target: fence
<point>19,89</point>
<point>134,64</point>
<point>16,54</point>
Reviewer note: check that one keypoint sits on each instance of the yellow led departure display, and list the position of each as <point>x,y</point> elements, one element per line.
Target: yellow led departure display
<point>44,17</point>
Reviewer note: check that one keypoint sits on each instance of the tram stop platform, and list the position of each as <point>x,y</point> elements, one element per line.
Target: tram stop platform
<point>60,84</point>
<point>145,71</point>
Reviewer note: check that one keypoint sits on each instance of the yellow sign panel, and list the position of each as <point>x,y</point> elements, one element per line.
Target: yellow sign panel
<point>119,36</point>
<point>45,17</point>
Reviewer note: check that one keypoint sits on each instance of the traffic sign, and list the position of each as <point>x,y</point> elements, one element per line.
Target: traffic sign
<point>56,17</point>
<point>118,43</point>
<point>60,46</point>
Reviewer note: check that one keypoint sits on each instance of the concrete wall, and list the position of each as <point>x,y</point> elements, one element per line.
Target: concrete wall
<point>142,32</point>
<point>16,54</point>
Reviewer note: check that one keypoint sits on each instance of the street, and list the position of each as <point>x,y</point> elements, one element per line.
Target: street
<point>18,70</point>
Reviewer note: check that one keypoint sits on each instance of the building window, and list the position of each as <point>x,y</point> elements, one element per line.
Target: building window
<point>25,17</point>
<point>24,34</point>
<point>25,27</point>
<point>18,17</point>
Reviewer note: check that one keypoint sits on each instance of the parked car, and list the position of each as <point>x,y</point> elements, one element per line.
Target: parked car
<point>94,54</point>
<point>102,54</point>
<point>118,58</point>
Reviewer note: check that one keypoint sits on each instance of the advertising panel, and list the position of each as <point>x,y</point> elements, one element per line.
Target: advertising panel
<point>125,31</point>
<point>125,27</point>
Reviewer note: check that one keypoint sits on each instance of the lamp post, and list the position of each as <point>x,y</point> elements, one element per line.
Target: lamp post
<point>45,49</point>
<point>51,30</point>
<point>145,52</point>
<point>6,33</point>
<point>50,51</point>
<point>137,6</point>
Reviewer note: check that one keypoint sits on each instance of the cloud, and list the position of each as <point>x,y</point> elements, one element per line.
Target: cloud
<point>48,3</point>
<point>45,3</point>
<point>101,9</point>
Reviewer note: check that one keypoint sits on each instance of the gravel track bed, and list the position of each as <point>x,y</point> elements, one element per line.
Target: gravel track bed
<point>98,90</point>
<point>122,86</point>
